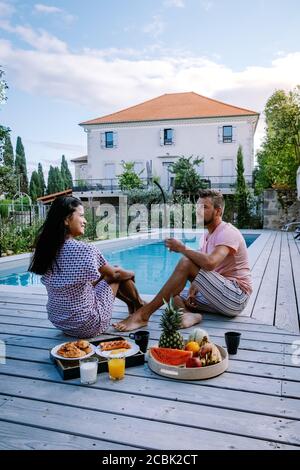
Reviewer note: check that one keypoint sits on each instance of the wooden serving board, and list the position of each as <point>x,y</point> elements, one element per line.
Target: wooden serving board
<point>189,373</point>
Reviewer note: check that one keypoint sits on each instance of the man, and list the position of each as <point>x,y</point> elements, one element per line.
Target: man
<point>219,272</point>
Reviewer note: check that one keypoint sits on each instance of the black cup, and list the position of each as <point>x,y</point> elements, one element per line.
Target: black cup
<point>141,338</point>
<point>232,340</point>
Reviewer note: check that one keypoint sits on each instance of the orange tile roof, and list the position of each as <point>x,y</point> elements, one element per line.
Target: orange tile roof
<point>50,197</point>
<point>173,106</point>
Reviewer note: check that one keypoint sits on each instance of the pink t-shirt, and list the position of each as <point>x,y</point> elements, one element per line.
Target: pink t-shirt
<point>236,264</point>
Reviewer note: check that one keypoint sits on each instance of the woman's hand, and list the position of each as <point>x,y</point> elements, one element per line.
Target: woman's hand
<point>123,274</point>
<point>115,274</point>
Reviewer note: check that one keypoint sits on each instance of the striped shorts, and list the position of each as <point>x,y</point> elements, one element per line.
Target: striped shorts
<point>217,294</point>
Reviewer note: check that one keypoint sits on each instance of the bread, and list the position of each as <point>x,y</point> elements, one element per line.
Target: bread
<point>75,349</point>
<point>111,345</point>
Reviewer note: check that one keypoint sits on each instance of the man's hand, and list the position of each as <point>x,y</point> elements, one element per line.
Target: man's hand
<point>191,298</point>
<point>175,245</point>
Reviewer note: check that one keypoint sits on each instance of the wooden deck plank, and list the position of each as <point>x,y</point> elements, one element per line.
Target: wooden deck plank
<point>258,271</point>
<point>264,306</point>
<point>139,432</point>
<point>51,332</point>
<point>40,319</point>
<point>234,381</point>
<point>286,314</point>
<point>294,246</point>
<point>252,366</point>
<point>163,410</point>
<point>14,436</point>
<point>140,383</point>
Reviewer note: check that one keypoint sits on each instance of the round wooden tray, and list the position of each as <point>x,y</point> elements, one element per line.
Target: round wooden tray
<point>189,373</point>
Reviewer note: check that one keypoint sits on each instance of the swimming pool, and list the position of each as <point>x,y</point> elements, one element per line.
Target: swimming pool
<point>152,264</point>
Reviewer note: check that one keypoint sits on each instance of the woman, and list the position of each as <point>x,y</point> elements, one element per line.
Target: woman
<point>80,301</point>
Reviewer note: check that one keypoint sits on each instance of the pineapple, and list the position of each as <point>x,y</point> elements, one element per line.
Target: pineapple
<point>170,322</point>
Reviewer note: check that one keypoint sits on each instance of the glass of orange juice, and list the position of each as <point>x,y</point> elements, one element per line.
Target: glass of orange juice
<point>116,366</point>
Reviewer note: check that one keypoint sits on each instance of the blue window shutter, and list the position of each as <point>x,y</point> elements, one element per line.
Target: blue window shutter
<point>220,134</point>
<point>161,136</point>
<point>102,140</point>
<point>115,139</point>
<point>234,133</point>
<point>173,136</point>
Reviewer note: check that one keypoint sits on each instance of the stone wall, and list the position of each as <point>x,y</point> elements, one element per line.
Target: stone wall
<point>276,214</point>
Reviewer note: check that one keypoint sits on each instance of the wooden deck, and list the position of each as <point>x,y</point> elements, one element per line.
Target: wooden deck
<point>254,405</point>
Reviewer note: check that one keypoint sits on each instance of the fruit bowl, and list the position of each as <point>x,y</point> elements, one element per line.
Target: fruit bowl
<point>189,373</point>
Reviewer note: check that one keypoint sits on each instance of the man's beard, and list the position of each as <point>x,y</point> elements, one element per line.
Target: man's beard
<point>208,221</point>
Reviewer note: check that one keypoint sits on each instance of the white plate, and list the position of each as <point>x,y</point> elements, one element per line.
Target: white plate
<point>130,352</point>
<point>56,348</point>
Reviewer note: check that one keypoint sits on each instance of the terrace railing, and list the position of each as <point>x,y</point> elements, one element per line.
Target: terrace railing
<point>225,183</point>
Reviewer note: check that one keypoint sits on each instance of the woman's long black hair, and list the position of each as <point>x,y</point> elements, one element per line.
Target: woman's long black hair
<point>52,234</point>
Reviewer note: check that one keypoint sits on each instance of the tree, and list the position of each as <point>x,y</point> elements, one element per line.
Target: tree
<point>187,178</point>
<point>4,131</point>
<point>20,166</point>
<point>279,156</point>
<point>8,181</point>
<point>65,173</point>
<point>8,152</point>
<point>129,179</point>
<point>242,193</point>
<point>41,179</point>
<point>34,186</point>
<point>55,181</point>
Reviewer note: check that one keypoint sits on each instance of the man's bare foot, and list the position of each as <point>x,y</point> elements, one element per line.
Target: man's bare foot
<point>190,319</point>
<point>133,322</point>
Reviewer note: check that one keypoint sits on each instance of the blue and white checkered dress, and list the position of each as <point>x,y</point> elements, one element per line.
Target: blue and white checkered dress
<point>74,304</point>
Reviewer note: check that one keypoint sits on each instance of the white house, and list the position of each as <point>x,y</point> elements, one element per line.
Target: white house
<point>157,132</point>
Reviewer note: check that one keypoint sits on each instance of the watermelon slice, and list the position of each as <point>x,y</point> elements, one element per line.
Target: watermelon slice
<point>170,357</point>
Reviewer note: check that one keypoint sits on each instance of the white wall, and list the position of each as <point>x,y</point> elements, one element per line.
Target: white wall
<point>199,137</point>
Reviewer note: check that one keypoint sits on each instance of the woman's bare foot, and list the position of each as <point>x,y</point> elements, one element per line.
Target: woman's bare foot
<point>133,322</point>
<point>189,319</point>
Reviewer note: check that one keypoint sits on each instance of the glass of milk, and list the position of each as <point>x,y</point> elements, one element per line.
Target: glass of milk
<point>88,370</point>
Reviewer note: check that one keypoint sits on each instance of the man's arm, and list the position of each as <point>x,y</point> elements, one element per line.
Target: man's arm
<point>203,260</point>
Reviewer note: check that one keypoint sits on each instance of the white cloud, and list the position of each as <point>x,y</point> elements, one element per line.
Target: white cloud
<point>106,83</point>
<point>6,9</point>
<point>40,40</point>
<point>174,3</point>
<point>156,27</point>
<point>46,8</point>
<point>50,10</point>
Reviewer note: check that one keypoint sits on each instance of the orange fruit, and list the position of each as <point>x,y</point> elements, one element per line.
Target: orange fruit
<point>192,346</point>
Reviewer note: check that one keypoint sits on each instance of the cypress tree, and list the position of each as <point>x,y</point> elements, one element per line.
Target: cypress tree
<point>55,181</point>
<point>8,152</point>
<point>65,173</point>
<point>242,193</point>
<point>34,186</point>
<point>42,179</point>
<point>59,180</point>
<point>51,181</point>
<point>20,166</point>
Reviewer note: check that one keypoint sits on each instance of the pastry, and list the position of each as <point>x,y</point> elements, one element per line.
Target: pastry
<point>111,345</point>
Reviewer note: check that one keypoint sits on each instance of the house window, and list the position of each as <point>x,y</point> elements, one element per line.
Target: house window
<point>109,140</point>
<point>168,136</point>
<point>227,133</point>
<point>138,167</point>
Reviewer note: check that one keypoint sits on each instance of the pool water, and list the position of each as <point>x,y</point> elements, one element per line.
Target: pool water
<point>152,264</point>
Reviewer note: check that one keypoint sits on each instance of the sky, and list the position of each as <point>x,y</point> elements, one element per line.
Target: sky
<point>69,61</point>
